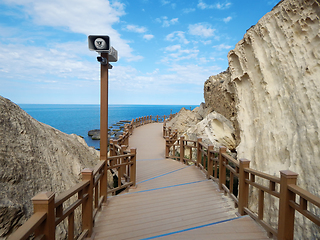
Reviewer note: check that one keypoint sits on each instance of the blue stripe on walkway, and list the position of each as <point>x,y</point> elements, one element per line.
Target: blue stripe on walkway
<point>162,175</point>
<point>193,228</point>
<point>154,189</point>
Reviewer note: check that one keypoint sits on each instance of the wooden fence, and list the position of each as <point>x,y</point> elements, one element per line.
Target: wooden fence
<point>234,178</point>
<point>88,195</point>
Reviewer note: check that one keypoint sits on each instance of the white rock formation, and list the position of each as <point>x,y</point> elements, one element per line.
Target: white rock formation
<point>212,127</point>
<point>184,120</point>
<point>275,70</point>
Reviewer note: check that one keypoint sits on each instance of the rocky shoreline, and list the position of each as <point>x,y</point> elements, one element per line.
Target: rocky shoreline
<point>114,132</point>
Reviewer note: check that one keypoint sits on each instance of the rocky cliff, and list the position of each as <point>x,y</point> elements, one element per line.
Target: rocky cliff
<point>271,94</point>
<point>275,71</point>
<point>34,157</point>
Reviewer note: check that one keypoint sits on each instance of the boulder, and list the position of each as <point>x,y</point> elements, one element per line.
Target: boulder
<point>94,132</point>
<point>214,129</point>
<point>184,120</point>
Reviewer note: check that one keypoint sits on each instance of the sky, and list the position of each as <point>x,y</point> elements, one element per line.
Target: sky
<point>167,48</point>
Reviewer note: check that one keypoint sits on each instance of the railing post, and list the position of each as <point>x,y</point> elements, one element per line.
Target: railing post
<point>127,139</point>
<point>286,213</point>
<point>222,168</point>
<point>44,202</point>
<point>104,182</point>
<point>181,148</point>
<point>126,136</point>
<point>243,186</point>
<point>167,147</point>
<point>133,166</point>
<point>199,140</point>
<point>111,148</point>
<point>210,160</point>
<point>115,142</point>
<point>87,208</point>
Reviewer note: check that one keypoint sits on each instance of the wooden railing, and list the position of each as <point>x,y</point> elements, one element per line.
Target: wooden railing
<point>88,195</point>
<point>235,177</point>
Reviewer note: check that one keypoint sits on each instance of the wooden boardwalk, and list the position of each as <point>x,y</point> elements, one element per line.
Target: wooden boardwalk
<point>171,201</point>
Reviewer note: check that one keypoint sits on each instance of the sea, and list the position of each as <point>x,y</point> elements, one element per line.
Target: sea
<point>81,118</point>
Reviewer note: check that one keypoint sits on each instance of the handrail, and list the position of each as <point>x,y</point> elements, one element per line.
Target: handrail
<point>234,178</point>
<point>302,206</point>
<point>50,210</point>
<point>29,226</point>
<point>70,192</point>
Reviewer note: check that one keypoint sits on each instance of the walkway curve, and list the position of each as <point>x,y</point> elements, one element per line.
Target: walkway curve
<point>170,201</point>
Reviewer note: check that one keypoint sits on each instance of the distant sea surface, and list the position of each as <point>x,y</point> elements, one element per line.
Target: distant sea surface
<point>79,119</point>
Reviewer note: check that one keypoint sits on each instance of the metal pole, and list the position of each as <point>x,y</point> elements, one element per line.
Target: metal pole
<point>104,109</point>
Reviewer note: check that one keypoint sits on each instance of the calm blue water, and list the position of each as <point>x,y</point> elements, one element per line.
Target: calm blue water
<point>79,119</point>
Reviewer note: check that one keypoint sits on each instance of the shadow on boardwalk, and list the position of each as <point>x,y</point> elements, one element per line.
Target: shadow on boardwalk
<point>171,201</point>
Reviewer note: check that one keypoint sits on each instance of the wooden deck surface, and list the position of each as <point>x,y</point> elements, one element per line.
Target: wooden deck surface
<point>171,201</point>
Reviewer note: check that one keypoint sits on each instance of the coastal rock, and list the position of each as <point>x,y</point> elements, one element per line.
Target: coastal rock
<point>94,132</point>
<point>271,93</point>
<point>184,120</point>
<point>35,157</point>
<point>96,136</point>
<point>219,95</point>
<point>214,129</point>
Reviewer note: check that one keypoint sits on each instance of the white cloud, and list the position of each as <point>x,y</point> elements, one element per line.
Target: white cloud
<point>80,16</point>
<point>135,28</point>
<point>173,48</point>
<point>177,36</point>
<point>206,42</point>
<point>46,63</point>
<point>188,10</point>
<point>175,53</point>
<point>148,36</point>
<point>166,22</point>
<point>222,47</point>
<point>192,73</point>
<point>227,19</point>
<point>165,2</point>
<point>201,29</point>
<point>202,5</point>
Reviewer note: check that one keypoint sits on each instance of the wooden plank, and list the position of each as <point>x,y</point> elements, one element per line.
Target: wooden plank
<point>166,212</point>
<point>222,231</point>
<point>155,228</point>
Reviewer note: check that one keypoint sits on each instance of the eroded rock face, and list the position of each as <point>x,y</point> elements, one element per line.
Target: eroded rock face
<point>204,123</point>
<point>184,120</point>
<point>215,130</point>
<point>34,157</point>
<point>275,79</point>
<point>219,95</point>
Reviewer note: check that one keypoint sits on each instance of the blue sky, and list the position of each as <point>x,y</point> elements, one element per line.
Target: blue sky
<point>167,48</point>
